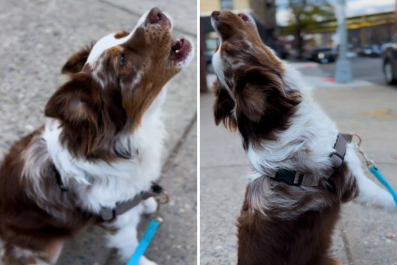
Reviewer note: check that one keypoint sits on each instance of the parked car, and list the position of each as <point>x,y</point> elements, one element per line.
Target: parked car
<point>320,55</point>
<point>369,51</point>
<point>389,58</point>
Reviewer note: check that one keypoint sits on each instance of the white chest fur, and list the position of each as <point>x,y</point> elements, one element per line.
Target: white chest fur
<point>101,184</point>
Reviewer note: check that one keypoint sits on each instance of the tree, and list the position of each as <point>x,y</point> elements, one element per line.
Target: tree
<point>306,14</point>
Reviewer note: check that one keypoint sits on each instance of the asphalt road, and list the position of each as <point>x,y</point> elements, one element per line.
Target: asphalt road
<point>367,69</point>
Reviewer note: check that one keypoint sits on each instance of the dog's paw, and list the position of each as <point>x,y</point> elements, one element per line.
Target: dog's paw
<point>145,261</point>
<point>149,206</point>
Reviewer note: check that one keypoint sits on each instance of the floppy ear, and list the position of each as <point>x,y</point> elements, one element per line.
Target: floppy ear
<point>73,102</point>
<point>77,61</point>
<point>223,106</point>
<point>251,101</point>
<point>256,91</point>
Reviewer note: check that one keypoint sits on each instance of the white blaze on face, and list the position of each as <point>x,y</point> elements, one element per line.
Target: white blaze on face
<point>104,44</point>
<point>110,41</point>
<point>218,64</point>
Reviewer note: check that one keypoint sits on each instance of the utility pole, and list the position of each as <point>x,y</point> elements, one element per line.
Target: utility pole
<point>343,73</point>
<point>395,24</point>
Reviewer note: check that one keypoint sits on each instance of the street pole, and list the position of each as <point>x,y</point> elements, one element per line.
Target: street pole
<point>343,73</point>
<point>395,25</point>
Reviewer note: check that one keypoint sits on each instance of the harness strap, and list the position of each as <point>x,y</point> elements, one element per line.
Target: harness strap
<point>122,207</point>
<point>295,178</point>
<point>108,214</point>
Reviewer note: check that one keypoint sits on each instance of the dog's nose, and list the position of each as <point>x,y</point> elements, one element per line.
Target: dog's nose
<point>215,15</point>
<point>155,15</point>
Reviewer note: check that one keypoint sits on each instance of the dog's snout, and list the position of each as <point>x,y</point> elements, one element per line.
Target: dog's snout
<point>155,15</point>
<point>215,15</point>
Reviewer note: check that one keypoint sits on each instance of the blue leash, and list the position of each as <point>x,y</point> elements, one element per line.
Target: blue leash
<point>150,232</point>
<point>375,171</point>
<point>383,181</point>
<point>145,241</point>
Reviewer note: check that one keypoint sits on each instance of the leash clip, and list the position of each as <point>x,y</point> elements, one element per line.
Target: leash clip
<point>368,161</point>
<point>375,171</point>
<point>163,198</point>
<point>155,222</point>
<point>359,139</point>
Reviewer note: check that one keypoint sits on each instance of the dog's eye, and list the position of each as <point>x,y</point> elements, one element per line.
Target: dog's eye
<point>122,60</point>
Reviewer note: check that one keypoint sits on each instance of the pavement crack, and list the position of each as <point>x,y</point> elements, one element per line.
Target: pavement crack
<point>177,147</point>
<point>346,244</point>
<point>139,15</point>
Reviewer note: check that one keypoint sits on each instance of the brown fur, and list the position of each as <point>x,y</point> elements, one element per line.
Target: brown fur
<point>23,221</point>
<point>263,101</point>
<point>76,62</point>
<point>121,34</point>
<point>223,107</point>
<point>102,114</point>
<point>264,105</point>
<point>304,240</point>
<point>94,109</point>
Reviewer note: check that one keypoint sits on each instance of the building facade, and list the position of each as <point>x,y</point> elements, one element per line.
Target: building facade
<point>263,11</point>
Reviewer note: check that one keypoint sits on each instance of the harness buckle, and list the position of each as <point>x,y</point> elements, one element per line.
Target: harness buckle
<point>108,214</point>
<point>336,160</point>
<point>288,177</point>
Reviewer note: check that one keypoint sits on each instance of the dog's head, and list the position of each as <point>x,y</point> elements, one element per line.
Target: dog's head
<point>119,79</point>
<point>250,91</point>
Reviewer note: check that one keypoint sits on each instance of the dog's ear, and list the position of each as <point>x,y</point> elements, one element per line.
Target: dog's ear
<point>259,91</point>
<point>77,61</point>
<point>75,102</point>
<point>121,34</point>
<point>251,101</point>
<point>223,106</point>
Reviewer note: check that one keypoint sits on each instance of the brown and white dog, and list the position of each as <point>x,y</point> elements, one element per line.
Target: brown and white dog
<point>103,138</point>
<point>282,127</point>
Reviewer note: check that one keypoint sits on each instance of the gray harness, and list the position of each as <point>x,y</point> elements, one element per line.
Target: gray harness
<point>107,214</point>
<point>295,178</point>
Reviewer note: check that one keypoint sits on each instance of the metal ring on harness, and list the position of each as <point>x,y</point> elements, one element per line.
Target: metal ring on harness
<point>359,139</point>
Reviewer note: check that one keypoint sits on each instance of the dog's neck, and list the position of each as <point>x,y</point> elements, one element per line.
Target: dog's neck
<point>92,179</point>
<point>299,147</point>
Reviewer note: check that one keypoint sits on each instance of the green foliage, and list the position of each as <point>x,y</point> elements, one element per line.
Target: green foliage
<point>307,14</point>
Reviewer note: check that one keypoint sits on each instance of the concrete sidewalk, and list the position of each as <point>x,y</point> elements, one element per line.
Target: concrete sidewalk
<point>361,236</point>
<point>36,38</point>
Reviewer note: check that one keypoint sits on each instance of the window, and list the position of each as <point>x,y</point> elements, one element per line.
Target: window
<point>226,4</point>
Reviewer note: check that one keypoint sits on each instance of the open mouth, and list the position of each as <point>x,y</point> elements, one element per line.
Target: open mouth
<point>180,50</point>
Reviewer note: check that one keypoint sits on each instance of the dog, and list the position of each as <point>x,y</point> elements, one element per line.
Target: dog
<point>295,192</point>
<point>96,157</point>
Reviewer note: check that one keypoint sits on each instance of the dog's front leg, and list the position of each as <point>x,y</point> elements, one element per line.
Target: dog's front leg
<point>369,193</point>
<point>149,205</point>
<point>125,238</point>
<point>373,195</point>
